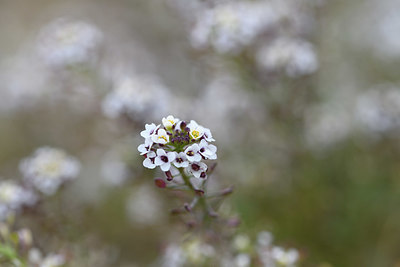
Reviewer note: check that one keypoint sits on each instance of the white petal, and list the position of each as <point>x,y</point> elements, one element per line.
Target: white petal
<point>165,167</point>
<point>197,157</point>
<point>142,149</point>
<point>158,161</point>
<point>161,152</point>
<point>148,164</point>
<point>171,156</point>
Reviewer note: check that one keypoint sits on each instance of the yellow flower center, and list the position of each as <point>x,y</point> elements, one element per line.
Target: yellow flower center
<point>163,137</point>
<point>51,168</point>
<point>172,122</point>
<point>195,134</point>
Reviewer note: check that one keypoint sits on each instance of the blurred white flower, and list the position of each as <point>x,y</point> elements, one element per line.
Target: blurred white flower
<point>295,57</point>
<point>241,242</point>
<point>136,96</point>
<point>36,259</point>
<point>144,207</point>
<point>287,258</point>
<point>53,260</point>
<point>66,42</point>
<point>242,260</point>
<point>13,197</point>
<point>114,170</point>
<point>228,27</point>
<point>379,109</point>
<point>327,125</point>
<point>173,256</point>
<point>21,92</point>
<point>197,251</point>
<point>48,168</point>
<point>264,239</point>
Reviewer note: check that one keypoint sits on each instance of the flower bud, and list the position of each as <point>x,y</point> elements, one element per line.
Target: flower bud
<point>169,176</point>
<point>160,183</point>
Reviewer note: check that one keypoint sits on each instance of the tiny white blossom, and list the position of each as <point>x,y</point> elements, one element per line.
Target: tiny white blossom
<point>169,122</point>
<point>207,135</point>
<point>149,160</point>
<point>192,153</point>
<point>198,169</point>
<point>196,130</point>
<point>48,168</point>
<point>145,148</point>
<point>164,159</point>
<point>149,130</point>
<point>181,160</point>
<point>207,151</point>
<point>160,137</point>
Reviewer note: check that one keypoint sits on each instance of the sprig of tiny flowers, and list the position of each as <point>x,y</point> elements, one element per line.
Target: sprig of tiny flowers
<point>179,144</point>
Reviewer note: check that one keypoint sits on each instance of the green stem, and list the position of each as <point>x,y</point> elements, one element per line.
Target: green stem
<point>201,198</point>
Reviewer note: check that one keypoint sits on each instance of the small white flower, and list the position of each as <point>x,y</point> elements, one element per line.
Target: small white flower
<point>208,135</point>
<point>169,122</point>
<point>149,160</point>
<point>160,137</point>
<point>181,160</point>
<point>145,148</point>
<point>285,257</point>
<point>207,151</point>
<point>198,169</point>
<point>196,130</point>
<point>192,153</point>
<point>164,159</point>
<point>150,129</point>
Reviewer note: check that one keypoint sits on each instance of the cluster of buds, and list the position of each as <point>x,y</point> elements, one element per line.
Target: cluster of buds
<point>179,144</point>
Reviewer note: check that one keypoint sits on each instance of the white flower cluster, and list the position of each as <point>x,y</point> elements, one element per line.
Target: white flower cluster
<point>13,197</point>
<point>230,26</point>
<point>48,168</point>
<point>275,256</point>
<point>65,42</point>
<point>193,252</point>
<point>134,96</point>
<point>36,259</point>
<point>179,144</point>
<point>242,253</point>
<point>296,57</point>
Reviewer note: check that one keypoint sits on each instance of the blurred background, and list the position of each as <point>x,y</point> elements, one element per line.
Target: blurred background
<point>302,97</point>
